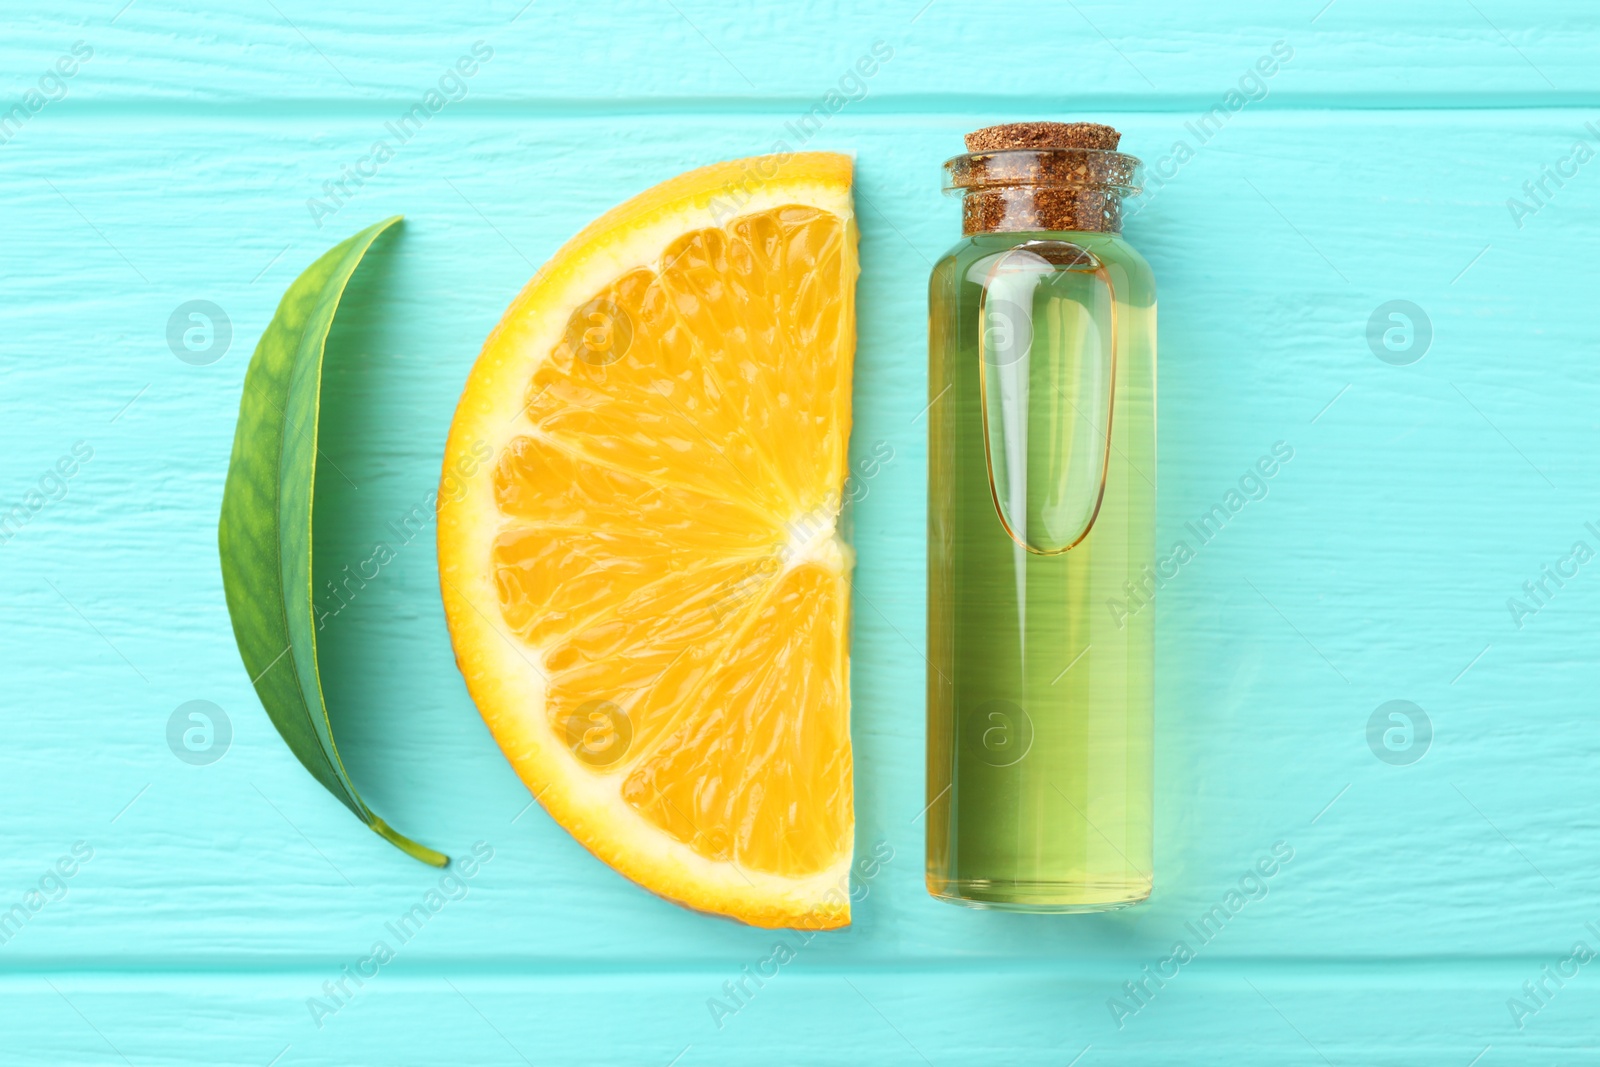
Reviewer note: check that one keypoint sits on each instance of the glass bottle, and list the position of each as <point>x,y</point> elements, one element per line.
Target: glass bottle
<point>1041,527</point>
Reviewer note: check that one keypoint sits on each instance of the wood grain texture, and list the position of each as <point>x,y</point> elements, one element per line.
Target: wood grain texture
<point>1377,567</point>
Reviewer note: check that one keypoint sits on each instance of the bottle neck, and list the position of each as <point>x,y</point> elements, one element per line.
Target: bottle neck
<point>1018,209</point>
<point>1042,189</point>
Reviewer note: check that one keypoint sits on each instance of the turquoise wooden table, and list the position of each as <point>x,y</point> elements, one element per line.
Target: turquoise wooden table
<point>1379,257</point>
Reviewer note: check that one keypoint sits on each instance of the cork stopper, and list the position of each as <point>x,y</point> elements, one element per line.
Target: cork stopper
<point>1043,135</point>
<point>1042,176</point>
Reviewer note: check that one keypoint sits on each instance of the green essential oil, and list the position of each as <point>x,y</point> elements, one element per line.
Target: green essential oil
<point>1041,512</point>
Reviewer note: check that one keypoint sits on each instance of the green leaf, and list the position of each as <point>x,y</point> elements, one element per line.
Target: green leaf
<point>265,531</point>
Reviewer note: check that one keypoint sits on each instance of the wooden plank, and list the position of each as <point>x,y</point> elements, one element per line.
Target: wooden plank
<point>685,55</point>
<point>1246,1014</point>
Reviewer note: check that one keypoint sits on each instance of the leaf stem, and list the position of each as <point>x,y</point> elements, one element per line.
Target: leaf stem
<point>408,846</point>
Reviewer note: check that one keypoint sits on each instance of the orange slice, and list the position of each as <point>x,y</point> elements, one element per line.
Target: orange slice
<point>644,584</point>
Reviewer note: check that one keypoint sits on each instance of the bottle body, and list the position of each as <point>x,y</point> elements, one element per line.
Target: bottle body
<point>1041,527</point>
